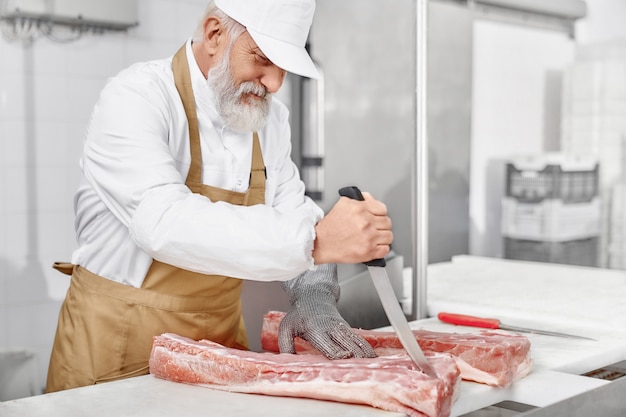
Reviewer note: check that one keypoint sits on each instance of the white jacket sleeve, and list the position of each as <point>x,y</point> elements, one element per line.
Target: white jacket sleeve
<point>129,161</point>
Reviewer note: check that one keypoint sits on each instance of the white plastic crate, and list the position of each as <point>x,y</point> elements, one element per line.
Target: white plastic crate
<point>552,176</point>
<point>550,220</point>
<point>551,197</point>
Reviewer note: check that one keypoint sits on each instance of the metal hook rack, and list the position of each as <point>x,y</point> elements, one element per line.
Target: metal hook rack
<point>64,20</point>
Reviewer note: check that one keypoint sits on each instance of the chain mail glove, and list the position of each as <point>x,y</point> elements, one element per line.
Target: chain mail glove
<point>314,317</point>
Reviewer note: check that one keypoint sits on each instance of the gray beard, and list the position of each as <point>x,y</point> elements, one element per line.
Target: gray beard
<point>238,115</point>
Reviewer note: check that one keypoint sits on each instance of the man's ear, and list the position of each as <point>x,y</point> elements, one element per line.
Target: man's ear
<point>214,35</point>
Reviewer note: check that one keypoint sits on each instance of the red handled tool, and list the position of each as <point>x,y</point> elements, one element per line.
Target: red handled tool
<point>488,323</point>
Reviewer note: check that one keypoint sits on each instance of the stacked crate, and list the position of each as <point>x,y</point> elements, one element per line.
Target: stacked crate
<point>551,210</point>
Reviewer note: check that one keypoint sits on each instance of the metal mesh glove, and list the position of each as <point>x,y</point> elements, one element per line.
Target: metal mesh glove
<point>314,317</point>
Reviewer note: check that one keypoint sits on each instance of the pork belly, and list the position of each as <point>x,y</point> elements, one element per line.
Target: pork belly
<point>492,358</point>
<point>390,383</point>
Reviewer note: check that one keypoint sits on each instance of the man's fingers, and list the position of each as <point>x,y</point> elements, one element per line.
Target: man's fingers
<point>286,335</point>
<point>326,344</point>
<point>382,223</point>
<point>353,231</point>
<point>352,342</point>
<point>374,206</point>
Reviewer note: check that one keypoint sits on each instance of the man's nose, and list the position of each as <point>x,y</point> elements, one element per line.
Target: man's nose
<point>273,78</point>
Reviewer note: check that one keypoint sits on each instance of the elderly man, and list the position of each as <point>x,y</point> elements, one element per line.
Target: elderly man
<point>188,187</point>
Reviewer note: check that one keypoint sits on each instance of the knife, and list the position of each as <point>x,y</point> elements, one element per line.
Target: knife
<point>489,323</point>
<point>390,303</point>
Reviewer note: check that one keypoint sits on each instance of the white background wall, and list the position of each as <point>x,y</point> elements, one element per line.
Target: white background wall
<point>511,113</point>
<point>604,22</point>
<point>47,92</point>
<point>516,103</point>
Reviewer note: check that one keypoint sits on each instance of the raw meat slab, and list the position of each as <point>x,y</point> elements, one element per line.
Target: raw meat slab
<point>492,358</point>
<point>391,383</point>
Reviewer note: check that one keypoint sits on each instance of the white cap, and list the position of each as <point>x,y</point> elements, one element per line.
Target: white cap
<point>279,27</point>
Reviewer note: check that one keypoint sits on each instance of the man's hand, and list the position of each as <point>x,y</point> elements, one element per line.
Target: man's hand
<point>353,232</point>
<point>314,317</point>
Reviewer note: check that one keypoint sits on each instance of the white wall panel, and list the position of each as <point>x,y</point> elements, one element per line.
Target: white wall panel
<point>512,68</point>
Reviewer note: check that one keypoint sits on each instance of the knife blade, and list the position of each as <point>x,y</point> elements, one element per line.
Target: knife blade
<point>390,303</point>
<point>491,323</point>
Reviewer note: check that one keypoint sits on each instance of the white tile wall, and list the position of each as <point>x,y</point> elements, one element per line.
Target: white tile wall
<point>617,242</point>
<point>594,121</point>
<point>47,92</point>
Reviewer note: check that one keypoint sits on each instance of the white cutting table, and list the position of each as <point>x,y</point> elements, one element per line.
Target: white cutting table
<point>585,301</point>
<point>589,302</point>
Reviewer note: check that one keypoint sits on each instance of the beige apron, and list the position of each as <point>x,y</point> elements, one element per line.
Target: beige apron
<point>105,328</point>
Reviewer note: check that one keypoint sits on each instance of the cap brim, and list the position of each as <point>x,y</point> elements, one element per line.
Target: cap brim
<point>285,55</point>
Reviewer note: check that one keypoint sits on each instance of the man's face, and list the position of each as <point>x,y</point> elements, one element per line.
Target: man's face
<point>244,81</point>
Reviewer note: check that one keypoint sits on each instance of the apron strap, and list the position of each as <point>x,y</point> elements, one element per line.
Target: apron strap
<point>258,175</point>
<point>182,79</point>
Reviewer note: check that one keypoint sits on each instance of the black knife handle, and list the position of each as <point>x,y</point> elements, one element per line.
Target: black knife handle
<point>355,194</point>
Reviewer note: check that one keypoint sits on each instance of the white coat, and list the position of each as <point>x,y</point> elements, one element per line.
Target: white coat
<point>132,204</point>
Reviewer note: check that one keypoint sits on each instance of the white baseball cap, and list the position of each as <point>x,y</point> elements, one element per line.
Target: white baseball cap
<point>279,27</point>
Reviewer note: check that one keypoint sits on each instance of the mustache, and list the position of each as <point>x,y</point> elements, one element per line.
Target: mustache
<point>256,89</point>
